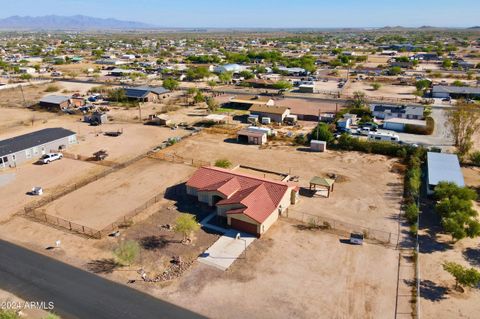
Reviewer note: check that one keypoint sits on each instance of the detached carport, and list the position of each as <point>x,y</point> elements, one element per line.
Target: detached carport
<point>323,183</point>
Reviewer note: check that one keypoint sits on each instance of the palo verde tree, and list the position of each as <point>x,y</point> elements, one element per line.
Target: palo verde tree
<point>465,277</point>
<point>186,224</point>
<point>463,122</point>
<point>170,84</point>
<point>458,217</point>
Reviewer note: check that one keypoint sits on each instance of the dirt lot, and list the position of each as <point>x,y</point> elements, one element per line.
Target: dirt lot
<point>106,200</point>
<point>20,180</point>
<point>314,275</point>
<point>135,140</point>
<point>386,90</point>
<point>439,299</point>
<point>367,193</point>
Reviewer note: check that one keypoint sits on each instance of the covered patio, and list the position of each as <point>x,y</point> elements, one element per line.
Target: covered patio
<point>325,184</point>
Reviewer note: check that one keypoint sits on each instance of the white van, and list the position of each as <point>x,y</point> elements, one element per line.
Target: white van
<point>383,136</point>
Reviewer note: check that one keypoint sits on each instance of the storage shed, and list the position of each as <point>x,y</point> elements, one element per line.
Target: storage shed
<point>318,146</point>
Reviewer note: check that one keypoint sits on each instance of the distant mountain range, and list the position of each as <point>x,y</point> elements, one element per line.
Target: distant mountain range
<point>77,22</point>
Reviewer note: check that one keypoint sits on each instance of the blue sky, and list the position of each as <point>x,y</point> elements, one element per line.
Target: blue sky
<point>262,13</point>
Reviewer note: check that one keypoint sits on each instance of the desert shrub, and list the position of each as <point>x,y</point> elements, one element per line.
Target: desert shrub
<point>52,88</point>
<point>223,163</point>
<point>411,213</point>
<point>475,158</point>
<point>127,252</point>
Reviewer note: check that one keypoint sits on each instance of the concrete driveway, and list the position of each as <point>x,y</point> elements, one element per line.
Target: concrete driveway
<point>227,248</point>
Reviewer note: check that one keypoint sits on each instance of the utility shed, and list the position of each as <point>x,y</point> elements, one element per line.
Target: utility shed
<point>443,167</point>
<point>55,101</point>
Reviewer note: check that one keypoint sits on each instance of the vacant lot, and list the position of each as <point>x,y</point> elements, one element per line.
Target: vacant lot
<point>291,273</point>
<point>386,90</point>
<point>104,201</point>
<point>368,190</point>
<point>18,181</point>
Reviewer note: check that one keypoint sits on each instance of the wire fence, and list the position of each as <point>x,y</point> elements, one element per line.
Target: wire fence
<point>174,158</point>
<point>342,228</point>
<point>40,215</point>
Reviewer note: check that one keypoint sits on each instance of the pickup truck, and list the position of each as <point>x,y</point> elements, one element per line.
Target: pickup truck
<point>50,157</point>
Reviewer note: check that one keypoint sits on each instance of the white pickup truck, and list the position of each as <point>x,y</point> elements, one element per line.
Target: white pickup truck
<point>50,157</point>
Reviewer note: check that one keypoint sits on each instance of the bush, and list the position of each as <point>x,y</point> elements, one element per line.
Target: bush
<point>411,213</point>
<point>467,277</point>
<point>52,88</point>
<point>322,133</point>
<point>127,252</point>
<point>223,163</point>
<point>475,158</point>
<point>9,314</point>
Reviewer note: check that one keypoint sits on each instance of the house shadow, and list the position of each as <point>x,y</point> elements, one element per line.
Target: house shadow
<point>185,203</point>
<point>232,140</point>
<point>429,290</point>
<point>103,266</point>
<point>472,255</point>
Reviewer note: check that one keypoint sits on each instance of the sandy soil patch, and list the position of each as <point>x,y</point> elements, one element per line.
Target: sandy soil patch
<point>314,275</point>
<point>106,200</point>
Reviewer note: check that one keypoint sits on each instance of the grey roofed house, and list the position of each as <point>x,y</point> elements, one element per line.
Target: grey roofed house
<point>29,140</point>
<point>141,92</point>
<point>443,167</point>
<point>445,91</point>
<point>401,111</point>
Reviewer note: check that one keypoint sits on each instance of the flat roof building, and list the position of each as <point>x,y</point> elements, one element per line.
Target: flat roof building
<point>16,150</point>
<point>443,167</point>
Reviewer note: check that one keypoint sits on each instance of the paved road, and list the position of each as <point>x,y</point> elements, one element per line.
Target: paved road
<point>76,293</point>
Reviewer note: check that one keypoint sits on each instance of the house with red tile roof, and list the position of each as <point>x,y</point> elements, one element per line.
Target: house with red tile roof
<point>249,203</point>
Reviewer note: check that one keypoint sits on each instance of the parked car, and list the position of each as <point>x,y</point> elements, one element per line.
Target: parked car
<point>50,157</point>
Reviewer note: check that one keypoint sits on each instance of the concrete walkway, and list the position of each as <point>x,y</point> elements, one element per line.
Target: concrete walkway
<point>227,248</point>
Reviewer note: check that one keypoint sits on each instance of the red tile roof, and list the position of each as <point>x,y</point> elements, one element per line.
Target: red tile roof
<point>258,197</point>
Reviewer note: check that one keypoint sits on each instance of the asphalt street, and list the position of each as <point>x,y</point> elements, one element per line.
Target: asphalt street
<point>76,293</point>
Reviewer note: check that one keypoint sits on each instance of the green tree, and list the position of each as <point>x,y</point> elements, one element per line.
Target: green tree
<point>447,63</point>
<point>466,277</point>
<point>322,133</point>
<point>458,217</point>
<point>411,213</point>
<point>212,104</point>
<point>359,100</point>
<point>395,70</point>
<point>223,163</point>
<point>117,95</point>
<point>225,77</point>
<point>246,75</point>
<point>376,86</point>
<point>198,97</point>
<point>463,122</point>
<point>212,83</point>
<point>186,224</point>
<point>282,85</point>
<point>127,252</point>
<point>170,84</point>
<point>9,314</point>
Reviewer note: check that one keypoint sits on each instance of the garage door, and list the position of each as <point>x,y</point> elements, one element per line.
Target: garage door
<point>244,226</point>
